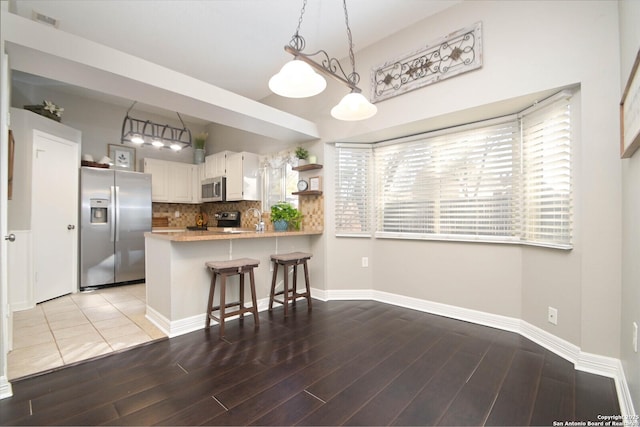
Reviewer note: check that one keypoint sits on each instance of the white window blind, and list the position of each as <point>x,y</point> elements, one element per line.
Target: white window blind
<point>546,165</point>
<point>353,190</point>
<point>457,183</point>
<point>501,180</point>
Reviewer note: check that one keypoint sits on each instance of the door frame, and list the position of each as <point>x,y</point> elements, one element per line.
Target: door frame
<point>5,313</point>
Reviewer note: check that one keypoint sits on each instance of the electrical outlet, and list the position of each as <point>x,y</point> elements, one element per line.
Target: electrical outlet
<point>553,315</point>
<point>176,214</point>
<point>365,261</point>
<point>635,337</point>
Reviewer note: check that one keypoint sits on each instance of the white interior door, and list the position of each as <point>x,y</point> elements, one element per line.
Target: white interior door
<point>54,216</point>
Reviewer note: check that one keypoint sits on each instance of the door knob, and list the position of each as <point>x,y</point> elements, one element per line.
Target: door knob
<point>11,237</point>
<point>70,227</point>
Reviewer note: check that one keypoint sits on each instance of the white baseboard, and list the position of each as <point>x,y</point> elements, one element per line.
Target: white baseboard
<point>588,362</point>
<point>21,306</point>
<point>189,324</point>
<point>5,388</point>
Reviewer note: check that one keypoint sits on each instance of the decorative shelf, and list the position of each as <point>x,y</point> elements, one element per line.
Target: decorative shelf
<point>307,193</point>
<point>308,167</point>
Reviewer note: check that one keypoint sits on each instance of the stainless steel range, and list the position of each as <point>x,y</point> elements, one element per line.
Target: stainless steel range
<point>228,219</point>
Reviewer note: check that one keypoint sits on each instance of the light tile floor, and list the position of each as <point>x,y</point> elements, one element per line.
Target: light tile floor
<point>78,327</point>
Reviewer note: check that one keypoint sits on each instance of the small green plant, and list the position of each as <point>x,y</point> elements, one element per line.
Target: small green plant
<point>199,140</point>
<point>302,153</point>
<point>286,212</point>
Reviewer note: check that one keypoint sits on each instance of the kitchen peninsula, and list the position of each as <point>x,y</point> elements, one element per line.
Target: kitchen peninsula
<point>178,282</point>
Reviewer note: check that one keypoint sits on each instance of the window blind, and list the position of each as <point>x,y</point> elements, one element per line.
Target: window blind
<point>353,190</point>
<point>457,183</point>
<point>546,166</point>
<point>500,180</point>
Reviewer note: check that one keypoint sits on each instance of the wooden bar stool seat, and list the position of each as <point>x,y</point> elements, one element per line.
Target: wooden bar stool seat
<point>293,259</point>
<point>224,269</point>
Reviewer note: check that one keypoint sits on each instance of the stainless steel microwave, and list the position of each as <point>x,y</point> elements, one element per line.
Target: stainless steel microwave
<point>214,189</point>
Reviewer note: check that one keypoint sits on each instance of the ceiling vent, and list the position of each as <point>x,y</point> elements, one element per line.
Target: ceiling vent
<point>44,19</point>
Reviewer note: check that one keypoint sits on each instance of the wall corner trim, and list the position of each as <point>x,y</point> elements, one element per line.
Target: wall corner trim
<point>5,388</point>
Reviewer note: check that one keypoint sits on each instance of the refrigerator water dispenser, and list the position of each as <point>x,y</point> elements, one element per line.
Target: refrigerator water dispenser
<point>99,211</point>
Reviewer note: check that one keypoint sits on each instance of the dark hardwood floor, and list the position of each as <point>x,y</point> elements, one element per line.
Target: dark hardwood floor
<point>345,363</point>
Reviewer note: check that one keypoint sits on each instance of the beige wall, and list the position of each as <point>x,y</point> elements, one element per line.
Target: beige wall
<point>529,47</point>
<point>629,46</point>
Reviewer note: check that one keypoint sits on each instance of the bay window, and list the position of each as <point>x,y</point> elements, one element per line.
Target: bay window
<point>501,180</point>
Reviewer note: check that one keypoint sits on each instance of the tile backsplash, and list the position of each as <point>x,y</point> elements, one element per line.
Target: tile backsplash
<point>312,208</point>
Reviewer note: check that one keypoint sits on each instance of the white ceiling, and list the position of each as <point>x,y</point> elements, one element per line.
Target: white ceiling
<point>234,44</point>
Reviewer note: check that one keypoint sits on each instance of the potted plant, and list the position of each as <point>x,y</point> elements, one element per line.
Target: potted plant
<point>302,154</point>
<point>47,109</point>
<point>284,214</point>
<point>198,145</point>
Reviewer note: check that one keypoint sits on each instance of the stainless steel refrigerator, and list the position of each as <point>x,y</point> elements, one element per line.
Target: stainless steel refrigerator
<point>115,212</point>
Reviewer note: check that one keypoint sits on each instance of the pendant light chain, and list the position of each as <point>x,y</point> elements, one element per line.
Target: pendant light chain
<point>297,41</point>
<point>353,77</point>
<point>304,7</point>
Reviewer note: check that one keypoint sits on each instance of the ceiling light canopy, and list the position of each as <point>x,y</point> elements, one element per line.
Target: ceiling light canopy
<point>299,79</point>
<point>146,132</point>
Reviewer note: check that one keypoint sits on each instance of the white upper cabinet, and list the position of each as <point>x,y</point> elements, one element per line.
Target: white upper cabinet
<point>216,164</point>
<point>173,182</point>
<point>159,170</point>
<point>181,182</point>
<point>243,177</point>
<point>198,176</point>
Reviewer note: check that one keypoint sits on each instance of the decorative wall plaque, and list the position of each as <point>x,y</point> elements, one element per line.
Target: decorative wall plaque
<point>454,54</point>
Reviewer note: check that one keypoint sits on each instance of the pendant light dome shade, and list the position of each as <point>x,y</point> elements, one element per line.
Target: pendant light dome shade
<point>297,79</point>
<point>354,106</point>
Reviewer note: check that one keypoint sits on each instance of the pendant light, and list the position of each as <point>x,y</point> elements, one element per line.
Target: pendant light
<point>354,106</point>
<point>298,78</point>
<point>146,132</point>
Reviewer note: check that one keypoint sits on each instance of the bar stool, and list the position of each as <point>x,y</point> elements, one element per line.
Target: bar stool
<point>224,269</point>
<point>286,260</point>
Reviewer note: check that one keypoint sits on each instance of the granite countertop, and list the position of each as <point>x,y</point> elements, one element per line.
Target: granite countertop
<point>181,235</point>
